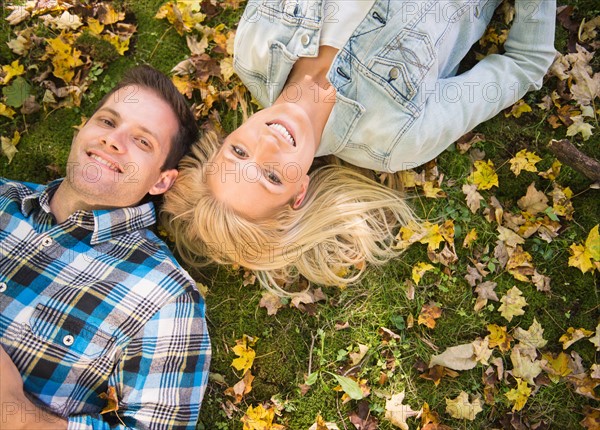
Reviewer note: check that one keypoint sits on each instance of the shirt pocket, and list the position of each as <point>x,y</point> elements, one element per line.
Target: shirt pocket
<point>404,63</point>
<point>69,333</point>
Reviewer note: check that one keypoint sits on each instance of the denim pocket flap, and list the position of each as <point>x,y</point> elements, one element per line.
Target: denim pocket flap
<point>404,62</point>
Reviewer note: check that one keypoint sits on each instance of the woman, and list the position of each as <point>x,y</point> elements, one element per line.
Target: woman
<point>372,82</point>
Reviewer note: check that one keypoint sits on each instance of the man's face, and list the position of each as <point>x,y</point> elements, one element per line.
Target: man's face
<point>116,157</point>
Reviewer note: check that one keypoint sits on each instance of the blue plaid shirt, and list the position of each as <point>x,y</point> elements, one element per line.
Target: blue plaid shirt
<point>99,302</point>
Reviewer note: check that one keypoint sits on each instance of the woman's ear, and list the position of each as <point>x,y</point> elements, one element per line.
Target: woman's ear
<point>299,199</point>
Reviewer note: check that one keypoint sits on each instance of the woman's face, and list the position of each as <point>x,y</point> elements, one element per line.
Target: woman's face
<point>263,165</point>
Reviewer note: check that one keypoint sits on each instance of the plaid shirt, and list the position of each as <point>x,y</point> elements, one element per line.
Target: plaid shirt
<point>97,302</point>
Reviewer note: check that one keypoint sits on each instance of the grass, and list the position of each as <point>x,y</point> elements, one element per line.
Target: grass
<point>292,341</point>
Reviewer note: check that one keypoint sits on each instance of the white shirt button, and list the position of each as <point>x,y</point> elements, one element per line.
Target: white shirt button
<point>68,340</point>
<point>305,39</point>
<point>2,287</point>
<point>47,241</point>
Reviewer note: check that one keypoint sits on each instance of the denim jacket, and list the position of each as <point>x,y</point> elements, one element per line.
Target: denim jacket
<point>399,102</point>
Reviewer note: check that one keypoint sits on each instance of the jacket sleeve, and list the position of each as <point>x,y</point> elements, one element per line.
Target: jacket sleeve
<point>161,377</point>
<point>459,103</point>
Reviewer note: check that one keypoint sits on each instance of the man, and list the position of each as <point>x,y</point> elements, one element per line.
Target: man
<point>93,307</point>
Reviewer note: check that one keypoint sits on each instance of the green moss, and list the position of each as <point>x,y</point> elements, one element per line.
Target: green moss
<point>99,49</point>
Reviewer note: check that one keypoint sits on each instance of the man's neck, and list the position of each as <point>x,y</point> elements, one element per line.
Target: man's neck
<point>64,203</point>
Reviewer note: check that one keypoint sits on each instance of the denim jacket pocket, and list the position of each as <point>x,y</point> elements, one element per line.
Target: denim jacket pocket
<point>70,333</point>
<point>402,65</point>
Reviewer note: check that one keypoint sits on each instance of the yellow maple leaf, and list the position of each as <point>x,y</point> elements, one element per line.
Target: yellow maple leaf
<point>512,304</point>
<point>109,15</point>
<point>419,270</point>
<point>524,160</point>
<point>12,70</point>
<point>518,396</point>
<point>120,44</point>
<point>431,191</point>
<point>9,146</point>
<point>573,335</point>
<point>259,418</point>
<point>245,353</point>
<point>461,408</point>
<point>95,26</point>
<point>499,337</point>
<point>432,236</point>
<point>183,15</point>
<point>484,176</point>
<point>6,111</point>
<point>586,257</point>
<point>226,66</point>
<point>241,388</point>
<point>557,366</point>
<point>65,58</point>
<point>552,172</point>
<point>470,238</point>
<point>518,109</point>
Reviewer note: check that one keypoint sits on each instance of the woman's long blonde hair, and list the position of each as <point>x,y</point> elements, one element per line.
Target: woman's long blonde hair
<point>346,222</point>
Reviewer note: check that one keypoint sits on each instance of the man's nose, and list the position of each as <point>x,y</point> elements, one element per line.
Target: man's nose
<point>114,140</point>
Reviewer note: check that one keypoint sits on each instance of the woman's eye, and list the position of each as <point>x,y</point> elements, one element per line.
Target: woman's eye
<point>238,151</point>
<point>143,142</point>
<point>106,122</point>
<point>273,178</point>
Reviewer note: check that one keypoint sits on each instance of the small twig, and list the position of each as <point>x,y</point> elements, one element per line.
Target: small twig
<point>310,352</point>
<point>158,43</point>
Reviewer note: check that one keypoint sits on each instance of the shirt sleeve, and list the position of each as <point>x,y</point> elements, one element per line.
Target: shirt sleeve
<point>457,104</point>
<point>161,377</point>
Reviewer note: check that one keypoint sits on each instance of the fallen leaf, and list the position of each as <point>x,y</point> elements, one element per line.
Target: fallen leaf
<point>429,313</point>
<point>112,400</point>
<point>397,412</point>
<point>12,70</point>
<point>362,419</point>
<point>470,238</point>
<point>320,424</point>
<point>270,302</point>
<point>534,201</point>
<point>356,357</point>
<point>460,407</point>
<point>499,337</point>
<point>573,335</point>
<point>9,146</point>
<point>519,264</point>
<point>591,421</point>
<point>419,270</point>
<point>459,357</point>
<point>531,339</point>
<point>430,420</point>
<point>484,176</point>
<point>485,291</point>
<point>524,367</point>
<point>436,373</point>
<point>524,160</point>
<point>241,388</point>
<point>512,304</point>
<point>585,385</point>
<point>259,418</point>
<point>580,127</point>
<point>518,109</point>
<point>245,353</point>
<point>518,396</point>
<point>556,366</point>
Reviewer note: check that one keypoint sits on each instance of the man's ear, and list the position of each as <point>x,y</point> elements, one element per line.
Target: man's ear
<point>299,199</point>
<point>165,181</point>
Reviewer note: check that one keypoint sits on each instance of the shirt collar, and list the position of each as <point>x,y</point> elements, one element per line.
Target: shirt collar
<point>104,224</point>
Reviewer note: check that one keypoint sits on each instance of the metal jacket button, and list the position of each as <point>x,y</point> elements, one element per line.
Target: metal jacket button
<point>305,39</point>
<point>394,73</point>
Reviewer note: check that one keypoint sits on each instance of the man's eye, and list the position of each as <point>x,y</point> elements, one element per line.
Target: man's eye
<point>238,151</point>
<point>273,178</point>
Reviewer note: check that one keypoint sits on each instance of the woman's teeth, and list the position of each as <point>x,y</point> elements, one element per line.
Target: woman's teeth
<point>284,132</point>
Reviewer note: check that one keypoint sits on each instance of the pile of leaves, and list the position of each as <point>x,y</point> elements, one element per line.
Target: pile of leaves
<point>59,49</point>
